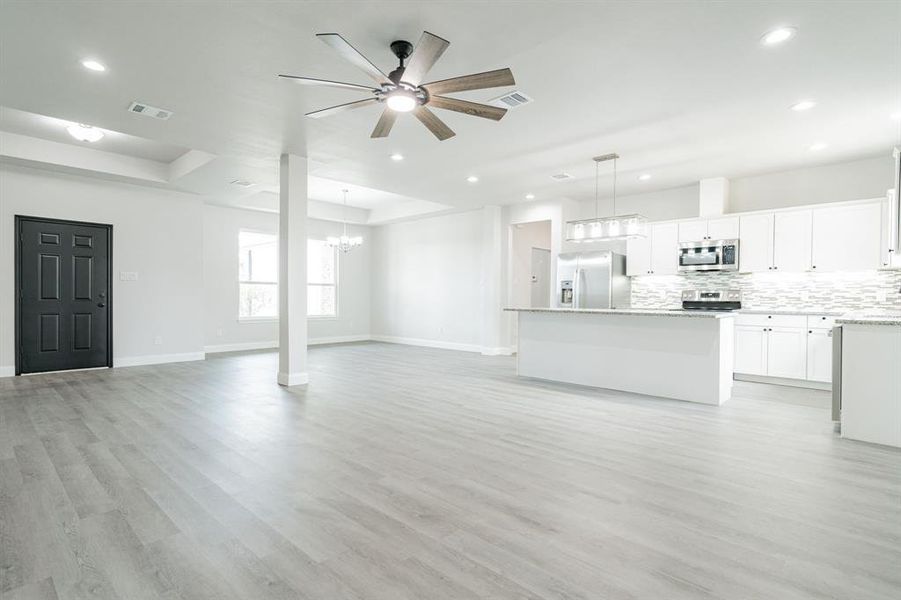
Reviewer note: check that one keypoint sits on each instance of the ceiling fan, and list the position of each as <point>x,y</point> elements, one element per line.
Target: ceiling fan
<point>402,90</point>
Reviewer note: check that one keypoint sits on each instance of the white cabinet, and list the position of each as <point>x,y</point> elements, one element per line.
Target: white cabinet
<point>819,355</point>
<point>638,255</point>
<point>846,238</point>
<point>755,246</point>
<point>664,249</point>
<point>657,254</point>
<point>786,352</point>
<point>693,231</point>
<point>888,259</point>
<point>724,228</point>
<point>791,240</point>
<point>750,349</point>
<point>775,242</point>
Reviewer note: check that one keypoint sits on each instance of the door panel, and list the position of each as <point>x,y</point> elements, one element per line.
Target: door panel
<point>540,295</point>
<point>638,256</point>
<point>755,246</point>
<point>846,238</point>
<point>791,240</point>
<point>723,229</point>
<point>693,231</point>
<point>63,300</point>
<point>664,248</point>
<point>819,355</point>
<point>750,350</point>
<point>786,354</point>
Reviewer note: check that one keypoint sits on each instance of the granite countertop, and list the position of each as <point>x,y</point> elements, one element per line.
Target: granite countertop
<point>807,312</point>
<point>871,318</point>
<point>644,312</point>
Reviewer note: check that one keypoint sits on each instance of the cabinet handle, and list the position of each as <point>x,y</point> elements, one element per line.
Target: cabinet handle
<point>810,331</point>
<point>813,267</point>
<point>775,267</point>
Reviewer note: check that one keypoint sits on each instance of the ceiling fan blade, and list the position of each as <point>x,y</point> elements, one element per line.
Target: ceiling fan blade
<point>352,55</point>
<point>478,81</point>
<point>427,52</point>
<point>468,108</point>
<point>326,82</point>
<point>386,122</point>
<point>326,112</point>
<point>434,124</point>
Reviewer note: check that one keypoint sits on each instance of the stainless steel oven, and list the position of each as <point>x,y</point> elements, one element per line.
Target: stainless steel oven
<point>708,255</point>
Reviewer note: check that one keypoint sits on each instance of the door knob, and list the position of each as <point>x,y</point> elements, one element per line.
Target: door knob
<point>101,304</point>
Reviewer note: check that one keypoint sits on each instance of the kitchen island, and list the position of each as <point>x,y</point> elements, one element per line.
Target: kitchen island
<point>871,378</point>
<point>684,355</point>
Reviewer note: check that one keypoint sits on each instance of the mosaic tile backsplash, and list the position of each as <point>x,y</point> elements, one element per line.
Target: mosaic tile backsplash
<point>830,292</point>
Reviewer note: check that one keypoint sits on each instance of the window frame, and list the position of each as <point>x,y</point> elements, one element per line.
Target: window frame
<point>335,285</point>
<point>251,319</point>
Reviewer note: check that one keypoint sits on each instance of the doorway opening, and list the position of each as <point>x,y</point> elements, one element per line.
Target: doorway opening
<point>531,269</point>
<point>64,295</point>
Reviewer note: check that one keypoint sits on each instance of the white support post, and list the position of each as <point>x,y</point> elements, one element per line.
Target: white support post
<point>292,271</point>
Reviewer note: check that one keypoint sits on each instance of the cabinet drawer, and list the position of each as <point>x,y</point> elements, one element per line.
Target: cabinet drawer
<point>771,320</point>
<point>820,322</point>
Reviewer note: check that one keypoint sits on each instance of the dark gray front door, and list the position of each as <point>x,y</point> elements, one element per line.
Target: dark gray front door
<point>63,295</point>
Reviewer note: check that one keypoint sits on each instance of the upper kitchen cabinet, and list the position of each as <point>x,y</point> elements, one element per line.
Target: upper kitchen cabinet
<point>664,248</point>
<point>755,246</point>
<point>846,238</point>
<point>791,240</point>
<point>775,242</point>
<point>724,228</point>
<point>638,255</point>
<point>655,254</point>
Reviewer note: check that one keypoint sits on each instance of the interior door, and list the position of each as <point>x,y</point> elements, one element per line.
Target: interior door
<point>64,295</point>
<point>541,278</point>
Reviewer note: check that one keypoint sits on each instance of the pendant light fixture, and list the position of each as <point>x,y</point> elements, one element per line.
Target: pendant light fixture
<point>344,243</point>
<point>606,229</point>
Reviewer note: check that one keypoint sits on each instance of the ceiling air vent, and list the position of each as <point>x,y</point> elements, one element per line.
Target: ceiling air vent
<point>150,111</point>
<point>561,176</point>
<point>512,100</point>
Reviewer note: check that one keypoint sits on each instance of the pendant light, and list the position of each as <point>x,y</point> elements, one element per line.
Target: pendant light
<point>606,229</point>
<point>344,243</point>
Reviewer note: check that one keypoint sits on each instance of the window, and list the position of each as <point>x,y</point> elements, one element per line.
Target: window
<point>257,275</point>
<point>322,279</point>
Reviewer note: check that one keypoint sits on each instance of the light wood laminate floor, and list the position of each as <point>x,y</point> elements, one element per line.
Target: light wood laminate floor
<point>406,473</point>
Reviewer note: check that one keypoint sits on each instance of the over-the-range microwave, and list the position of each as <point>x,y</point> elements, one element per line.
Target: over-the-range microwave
<point>708,255</point>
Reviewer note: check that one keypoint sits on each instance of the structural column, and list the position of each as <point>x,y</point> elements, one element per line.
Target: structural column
<point>492,281</point>
<point>292,271</point>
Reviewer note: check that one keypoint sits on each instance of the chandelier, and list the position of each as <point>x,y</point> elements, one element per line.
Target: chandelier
<point>344,243</point>
<point>605,229</point>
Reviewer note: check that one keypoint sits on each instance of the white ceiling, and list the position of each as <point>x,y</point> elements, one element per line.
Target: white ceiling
<point>681,90</point>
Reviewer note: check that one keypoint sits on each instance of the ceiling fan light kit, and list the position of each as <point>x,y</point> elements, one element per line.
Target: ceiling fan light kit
<point>606,229</point>
<point>402,90</point>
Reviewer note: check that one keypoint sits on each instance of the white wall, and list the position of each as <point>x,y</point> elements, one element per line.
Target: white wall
<point>426,281</point>
<point>223,331</point>
<point>156,233</point>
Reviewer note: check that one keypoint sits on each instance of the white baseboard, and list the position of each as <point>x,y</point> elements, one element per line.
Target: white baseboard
<point>501,351</point>
<point>427,343</point>
<point>156,359</point>
<point>339,339</point>
<point>801,383</point>
<point>9,371</point>
<point>289,379</point>
<point>239,346</point>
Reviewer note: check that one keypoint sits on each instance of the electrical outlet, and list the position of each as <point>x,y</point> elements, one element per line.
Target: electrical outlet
<point>158,341</point>
<point>123,276</point>
<point>132,275</point>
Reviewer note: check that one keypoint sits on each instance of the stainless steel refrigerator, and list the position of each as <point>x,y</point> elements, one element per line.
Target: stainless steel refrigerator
<point>592,280</point>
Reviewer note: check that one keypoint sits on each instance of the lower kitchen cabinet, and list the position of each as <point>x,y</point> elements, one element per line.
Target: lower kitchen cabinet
<point>786,352</point>
<point>819,355</point>
<point>784,346</point>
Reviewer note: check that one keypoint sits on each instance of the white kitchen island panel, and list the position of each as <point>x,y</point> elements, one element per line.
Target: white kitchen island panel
<point>671,354</point>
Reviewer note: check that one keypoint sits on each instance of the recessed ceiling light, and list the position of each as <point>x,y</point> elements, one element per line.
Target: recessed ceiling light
<point>530,196</point>
<point>84,133</point>
<point>774,37</point>
<point>397,156</point>
<point>644,177</point>
<point>817,147</point>
<point>803,105</point>
<point>93,65</point>
<point>472,179</point>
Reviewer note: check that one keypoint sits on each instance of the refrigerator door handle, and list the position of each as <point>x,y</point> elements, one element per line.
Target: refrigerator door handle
<point>577,288</point>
